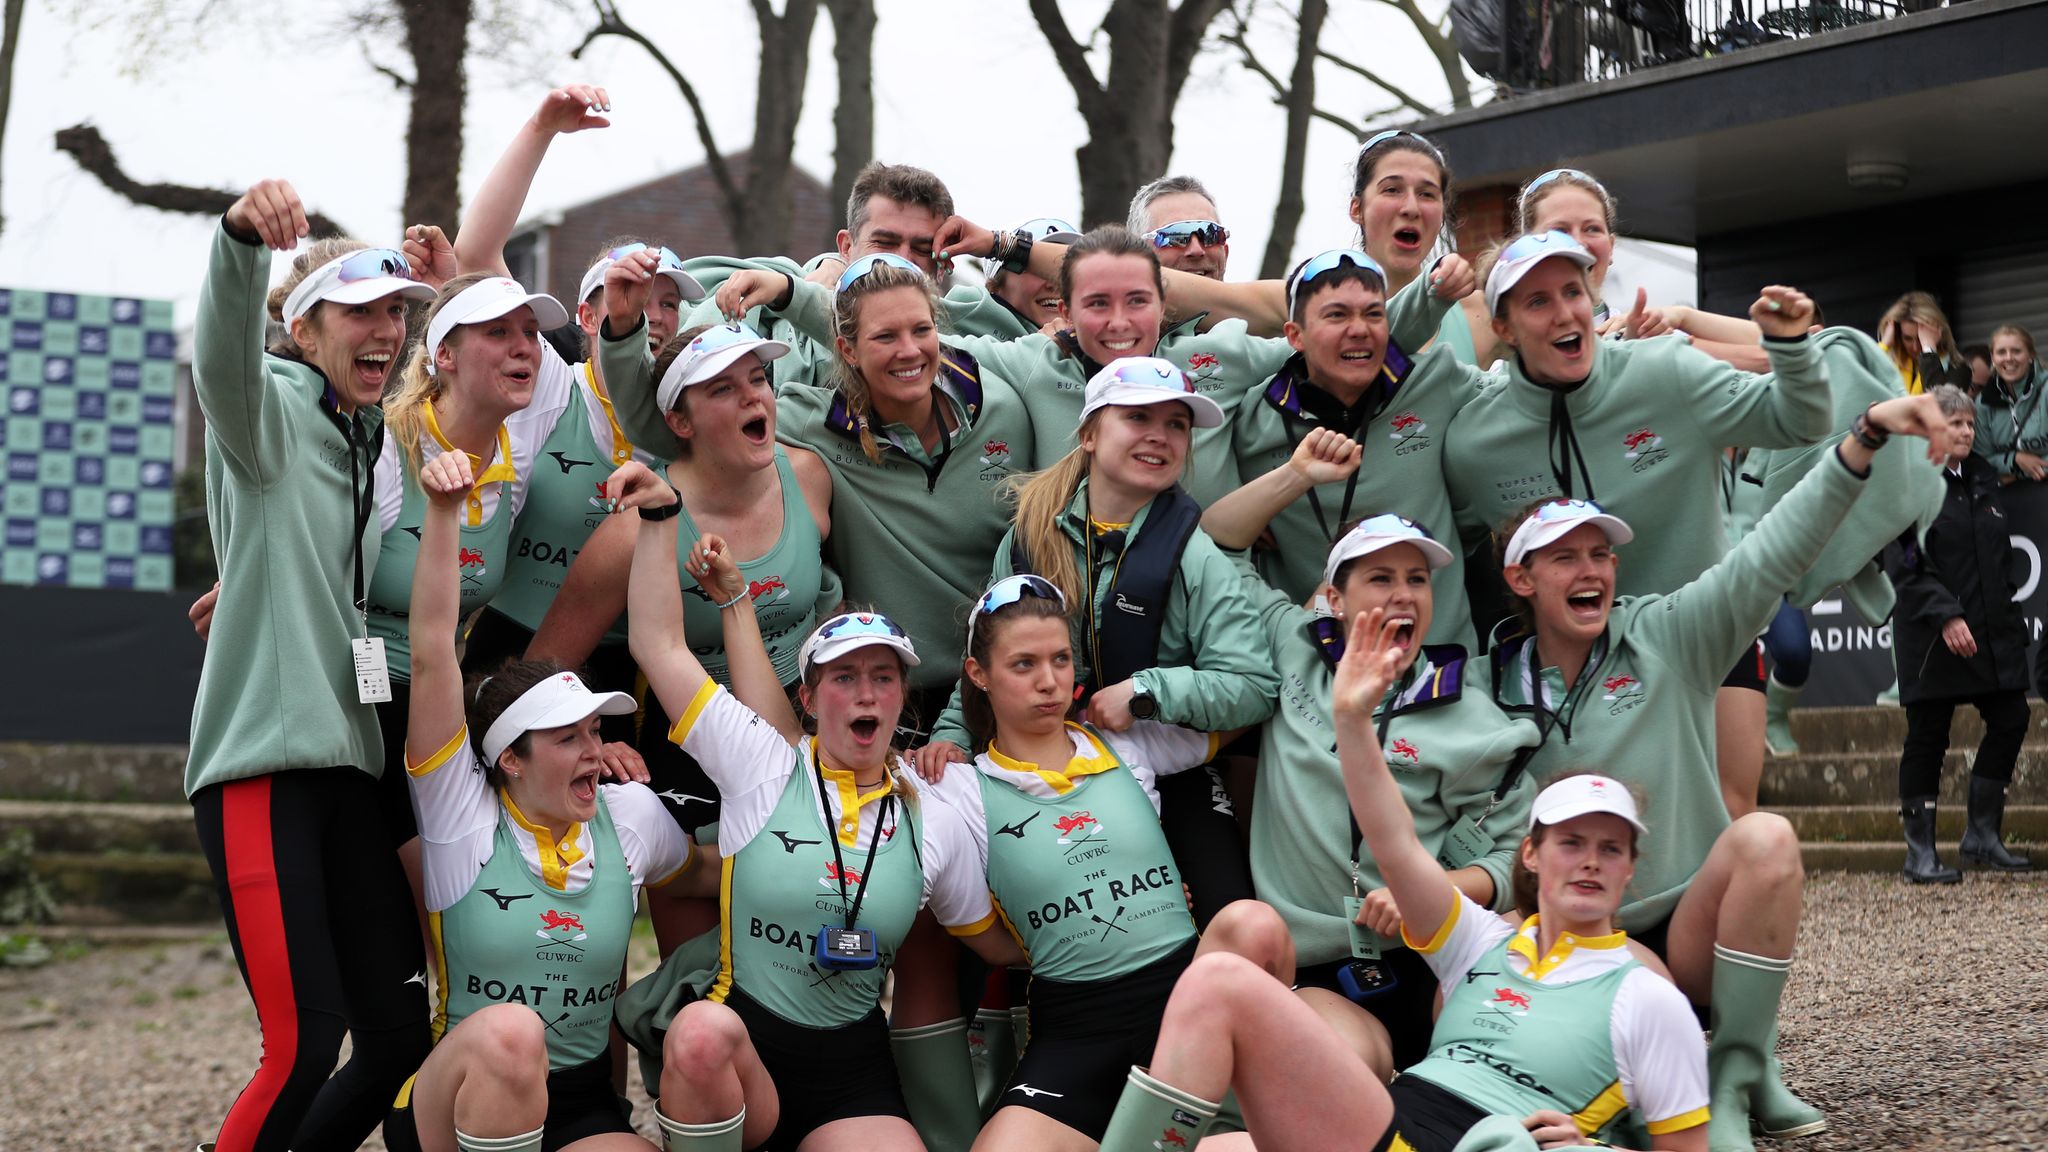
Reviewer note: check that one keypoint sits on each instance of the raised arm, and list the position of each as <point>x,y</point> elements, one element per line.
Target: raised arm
<point>1324,456</point>
<point>1419,886</point>
<point>435,611</point>
<point>243,416</point>
<point>1416,313</point>
<point>654,594</point>
<point>494,210</point>
<point>1789,408</point>
<point>754,682</point>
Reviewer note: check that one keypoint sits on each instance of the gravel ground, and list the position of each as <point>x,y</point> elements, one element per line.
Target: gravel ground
<point>144,1046</point>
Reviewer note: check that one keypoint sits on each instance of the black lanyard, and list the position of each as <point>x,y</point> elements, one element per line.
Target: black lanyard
<point>1382,398</point>
<point>362,499</point>
<point>860,887</point>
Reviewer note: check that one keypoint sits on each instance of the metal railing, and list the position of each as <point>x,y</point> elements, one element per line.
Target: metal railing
<point>1524,45</point>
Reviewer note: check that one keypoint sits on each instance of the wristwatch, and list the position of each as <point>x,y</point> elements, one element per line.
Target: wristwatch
<point>1142,703</point>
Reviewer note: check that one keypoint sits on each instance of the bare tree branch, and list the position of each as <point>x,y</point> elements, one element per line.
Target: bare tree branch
<point>9,41</point>
<point>1383,84</point>
<point>1071,56</point>
<point>84,144</point>
<point>1441,45</point>
<point>1190,23</point>
<point>609,23</point>
<point>1354,127</point>
<point>853,117</point>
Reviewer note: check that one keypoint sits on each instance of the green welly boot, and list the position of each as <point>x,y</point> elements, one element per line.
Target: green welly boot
<point>717,1136</point>
<point>938,1084</point>
<point>1746,993</point>
<point>1152,1116</point>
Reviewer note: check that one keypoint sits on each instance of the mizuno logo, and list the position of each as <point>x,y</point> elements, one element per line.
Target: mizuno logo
<point>790,843</point>
<point>1035,1093</point>
<point>505,902</point>
<point>415,531</point>
<point>681,798</point>
<point>1016,829</point>
<point>562,458</point>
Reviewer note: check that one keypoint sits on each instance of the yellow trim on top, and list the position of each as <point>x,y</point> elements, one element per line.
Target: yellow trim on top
<point>1400,1144</point>
<point>622,448</point>
<point>1678,1123</point>
<point>403,1100</point>
<point>680,730</point>
<point>1104,527</point>
<point>1062,783</point>
<point>440,1024</point>
<point>441,757</point>
<point>1524,945</point>
<point>1011,927</point>
<point>851,798</point>
<point>974,929</point>
<point>1215,746</point>
<point>722,986</point>
<point>1604,1108</point>
<point>555,858</point>
<point>1442,935</point>
<point>689,858</point>
<point>500,471</point>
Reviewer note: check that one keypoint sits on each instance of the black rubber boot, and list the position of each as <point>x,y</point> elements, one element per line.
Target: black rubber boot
<point>1922,865</point>
<point>1984,836</point>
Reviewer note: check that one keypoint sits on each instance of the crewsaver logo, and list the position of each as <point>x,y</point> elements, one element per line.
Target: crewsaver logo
<point>1643,449</point>
<point>1407,430</point>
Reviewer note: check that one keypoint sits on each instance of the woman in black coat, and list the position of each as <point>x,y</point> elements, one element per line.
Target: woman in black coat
<point>1959,638</point>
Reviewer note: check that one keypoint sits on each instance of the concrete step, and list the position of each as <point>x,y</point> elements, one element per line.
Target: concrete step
<point>1872,777</point>
<point>145,888</point>
<point>86,827</point>
<point>1879,824</point>
<point>136,773</point>
<point>1888,858</point>
<point>1875,729</point>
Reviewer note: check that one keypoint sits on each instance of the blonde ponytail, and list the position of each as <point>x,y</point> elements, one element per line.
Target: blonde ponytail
<point>1042,498</point>
<point>404,419</point>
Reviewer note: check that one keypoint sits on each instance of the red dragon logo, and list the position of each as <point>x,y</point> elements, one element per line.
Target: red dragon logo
<point>759,588</point>
<point>1405,421</point>
<point>1067,824</point>
<point>469,556</point>
<point>1201,360</point>
<point>1404,748</point>
<point>1171,1138</point>
<point>1638,438</point>
<point>1617,683</point>
<point>848,875</point>
<point>561,920</point>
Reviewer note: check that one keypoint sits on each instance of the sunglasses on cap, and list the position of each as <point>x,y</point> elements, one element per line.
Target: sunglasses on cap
<point>1388,524</point>
<point>866,264</point>
<point>1181,233</point>
<point>664,257</point>
<point>1009,590</point>
<point>1330,261</point>
<point>1148,372</point>
<point>861,624</point>
<point>1539,244</point>
<point>371,263</point>
<point>1378,138</point>
<point>1555,510</point>
<point>1044,226</point>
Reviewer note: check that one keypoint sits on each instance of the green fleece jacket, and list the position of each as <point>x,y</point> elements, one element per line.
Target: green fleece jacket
<point>1643,435</point>
<point>1642,710</point>
<point>1449,747</point>
<point>1211,670</point>
<point>278,689</point>
<point>1903,491</point>
<point>2008,424</point>
<point>1401,472</point>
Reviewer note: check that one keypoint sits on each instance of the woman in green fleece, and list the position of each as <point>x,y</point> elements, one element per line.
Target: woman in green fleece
<point>285,751</point>
<point>1458,759</point>
<point>1163,630</point>
<point>1626,686</point>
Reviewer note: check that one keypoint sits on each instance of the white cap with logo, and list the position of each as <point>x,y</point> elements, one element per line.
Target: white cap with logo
<point>669,265</point>
<point>1136,380</point>
<point>709,353</point>
<point>849,632</point>
<point>556,702</point>
<point>1518,258</point>
<point>1576,796</point>
<point>1555,519</point>
<point>1374,533</point>
<point>488,300</point>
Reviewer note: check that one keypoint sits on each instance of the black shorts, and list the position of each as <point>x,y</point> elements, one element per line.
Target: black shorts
<point>581,1103</point>
<point>1084,1039</point>
<point>1657,938</point>
<point>394,795</point>
<point>1408,1009</point>
<point>822,1074</point>
<point>1426,1118</point>
<point>1749,672</point>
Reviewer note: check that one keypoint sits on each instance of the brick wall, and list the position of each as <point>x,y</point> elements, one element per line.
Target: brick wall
<point>1485,215</point>
<point>681,210</point>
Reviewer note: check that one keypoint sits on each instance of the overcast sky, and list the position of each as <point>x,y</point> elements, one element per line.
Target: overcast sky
<point>979,101</point>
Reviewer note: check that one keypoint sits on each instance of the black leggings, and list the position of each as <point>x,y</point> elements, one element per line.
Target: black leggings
<point>322,923</point>
<point>2005,729</point>
<point>1201,828</point>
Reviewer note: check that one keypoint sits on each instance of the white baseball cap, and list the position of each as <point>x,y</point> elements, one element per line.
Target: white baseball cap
<point>488,300</point>
<point>669,265</point>
<point>1555,518</point>
<point>850,632</point>
<point>709,353</point>
<point>1518,258</point>
<point>556,702</point>
<point>1135,380</point>
<point>1384,531</point>
<point>1576,796</point>
<point>358,277</point>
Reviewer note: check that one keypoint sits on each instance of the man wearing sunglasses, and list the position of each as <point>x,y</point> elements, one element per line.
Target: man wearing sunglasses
<point>1179,217</point>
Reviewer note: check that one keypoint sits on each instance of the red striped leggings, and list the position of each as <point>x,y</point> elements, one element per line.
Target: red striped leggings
<point>323,927</point>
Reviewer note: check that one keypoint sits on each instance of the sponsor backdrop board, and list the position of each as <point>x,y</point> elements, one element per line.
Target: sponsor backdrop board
<point>1852,657</point>
<point>91,385</point>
